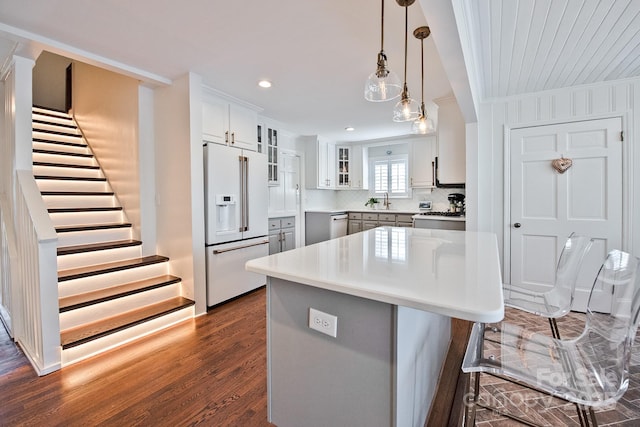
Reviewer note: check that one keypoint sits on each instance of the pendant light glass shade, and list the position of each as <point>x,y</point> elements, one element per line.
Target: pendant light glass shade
<point>383,84</point>
<point>423,124</point>
<point>406,109</point>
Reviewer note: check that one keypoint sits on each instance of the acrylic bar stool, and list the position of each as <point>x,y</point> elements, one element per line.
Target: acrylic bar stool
<point>591,371</point>
<point>557,301</point>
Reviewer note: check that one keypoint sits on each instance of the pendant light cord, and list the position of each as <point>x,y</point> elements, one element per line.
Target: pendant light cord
<point>406,29</point>
<point>382,29</point>
<point>422,70</point>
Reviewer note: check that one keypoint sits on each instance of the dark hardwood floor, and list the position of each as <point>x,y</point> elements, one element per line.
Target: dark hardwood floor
<point>210,371</point>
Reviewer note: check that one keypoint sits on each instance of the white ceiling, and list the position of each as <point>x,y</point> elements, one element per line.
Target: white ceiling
<point>523,46</point>
<point>319,53</point>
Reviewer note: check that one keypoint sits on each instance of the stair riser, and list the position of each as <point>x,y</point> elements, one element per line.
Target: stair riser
<point>104,310</point>
<point>102,281</point>
<point>54,137</point>
<point>79,201</point>
<point>78,353</point>
<point>59,147</point>
<point>55,128</point>
<point>85,259</point>
<point>62,171</point>
<point>68,160</point>
<point>64,185</point>
<point>93,236</point>
<point>76,218</point>
<point>51,119</point>
<point>36,110</point>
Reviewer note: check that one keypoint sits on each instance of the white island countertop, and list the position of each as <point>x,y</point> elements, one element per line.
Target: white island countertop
<point>453,273</point>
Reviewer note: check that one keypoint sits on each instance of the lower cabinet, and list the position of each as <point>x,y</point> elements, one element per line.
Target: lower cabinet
<point>355,222</point>
<point>282,234</point>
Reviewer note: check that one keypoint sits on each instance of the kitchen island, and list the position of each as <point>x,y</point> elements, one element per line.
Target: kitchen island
<point>384,301</point>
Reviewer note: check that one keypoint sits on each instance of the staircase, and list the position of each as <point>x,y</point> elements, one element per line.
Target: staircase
<point>108,292</point>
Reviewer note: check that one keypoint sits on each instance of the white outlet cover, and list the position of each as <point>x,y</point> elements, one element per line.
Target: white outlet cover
<point>323,322</point>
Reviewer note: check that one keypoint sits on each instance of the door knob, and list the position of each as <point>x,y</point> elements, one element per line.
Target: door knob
<point>517,225</point>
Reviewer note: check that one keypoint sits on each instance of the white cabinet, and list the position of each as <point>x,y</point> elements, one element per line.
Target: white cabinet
<point>451,156</point>
<point>343,166</point>
<point>422,162</point>
<point>320,167</point>
<point>224,122</point>
<point>272,155</point>
<point>349,167</point>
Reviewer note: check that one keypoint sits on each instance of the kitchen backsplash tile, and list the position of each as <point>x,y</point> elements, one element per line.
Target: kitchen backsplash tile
<point>356,199</point>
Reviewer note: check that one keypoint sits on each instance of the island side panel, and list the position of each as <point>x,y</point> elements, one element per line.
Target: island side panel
<point>318,380</point>
<point>422,344</point>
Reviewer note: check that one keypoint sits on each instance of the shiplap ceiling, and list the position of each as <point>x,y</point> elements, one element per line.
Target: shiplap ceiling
<point>523,46</point>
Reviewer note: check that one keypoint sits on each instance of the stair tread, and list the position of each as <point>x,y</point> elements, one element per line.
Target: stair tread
<point>92,247</point>
<point>64,125</point>
<point>52,141</point>
<point>94,270</point>
<point>66,165</point>
<point>51,111</point>
<point>85,333</point>
<point>73,228</point>
<point>94,209</point>
<point>62,153</point>
<point>77,193</point>
<point>101,295</point>
<point>70,178</point>
<point>55,132</point>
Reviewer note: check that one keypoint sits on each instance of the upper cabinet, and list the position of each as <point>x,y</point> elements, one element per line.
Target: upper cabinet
<point>320,171</point>
<point>225,122</point>
<point>349,167</point>
<point>422,162</point>
<point>451,153</point>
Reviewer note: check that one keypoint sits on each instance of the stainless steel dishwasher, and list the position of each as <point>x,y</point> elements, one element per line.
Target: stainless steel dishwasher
<point>338,225</point>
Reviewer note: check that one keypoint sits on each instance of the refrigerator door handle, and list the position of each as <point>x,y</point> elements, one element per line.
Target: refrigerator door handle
<point>245,202</point>
<point>242,192</point>
<point>221,251</point>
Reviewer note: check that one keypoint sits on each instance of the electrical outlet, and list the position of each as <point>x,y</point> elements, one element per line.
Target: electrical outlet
<point>323,322</point>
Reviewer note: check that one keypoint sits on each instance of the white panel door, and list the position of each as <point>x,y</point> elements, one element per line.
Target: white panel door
<point>546,205</point>
<point>257,199</point>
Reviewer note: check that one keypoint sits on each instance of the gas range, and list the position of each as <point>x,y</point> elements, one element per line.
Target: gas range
<point>443,213</point>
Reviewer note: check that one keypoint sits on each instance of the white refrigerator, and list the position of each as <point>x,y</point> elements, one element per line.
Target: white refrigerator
<point>236,192</point>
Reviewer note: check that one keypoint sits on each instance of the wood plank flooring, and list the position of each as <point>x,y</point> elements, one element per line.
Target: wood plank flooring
<point>209,371</point>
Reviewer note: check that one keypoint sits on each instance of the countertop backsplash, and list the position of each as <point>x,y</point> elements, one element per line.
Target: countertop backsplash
<point>355,200</point>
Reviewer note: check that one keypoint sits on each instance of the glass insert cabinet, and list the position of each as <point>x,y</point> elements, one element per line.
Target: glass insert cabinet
<point>344,164</point>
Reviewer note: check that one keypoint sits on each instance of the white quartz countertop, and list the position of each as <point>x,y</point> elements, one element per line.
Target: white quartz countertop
<point>328,211</point>
<point>454,273</point>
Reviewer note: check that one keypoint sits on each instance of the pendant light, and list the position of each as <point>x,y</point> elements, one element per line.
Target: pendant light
<point>422,124</point>
<point>383,84</point>
<point>406,109</point>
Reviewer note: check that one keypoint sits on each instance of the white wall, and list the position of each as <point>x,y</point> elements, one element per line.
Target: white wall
<point>105,105</point>
<point>179,183</point>
<point>571,104</point>
<point>147,171</point>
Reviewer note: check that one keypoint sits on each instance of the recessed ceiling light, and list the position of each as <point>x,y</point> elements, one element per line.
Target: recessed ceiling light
<point>264,83</point>
<point>349,128</point>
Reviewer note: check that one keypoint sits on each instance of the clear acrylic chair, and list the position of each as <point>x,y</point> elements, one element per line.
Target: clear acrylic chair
<point>557,301</point>
<point>591,370</point>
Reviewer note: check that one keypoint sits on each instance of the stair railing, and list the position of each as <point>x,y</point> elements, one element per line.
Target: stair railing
<point>39,330</point>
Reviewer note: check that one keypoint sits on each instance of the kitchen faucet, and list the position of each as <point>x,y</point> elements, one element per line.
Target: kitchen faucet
<point>386,203</point>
